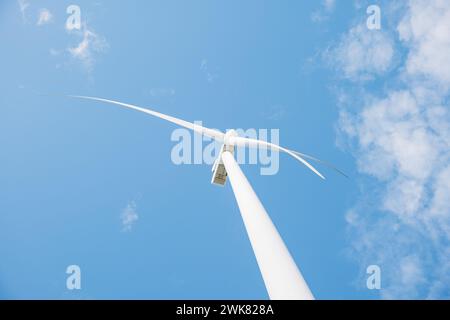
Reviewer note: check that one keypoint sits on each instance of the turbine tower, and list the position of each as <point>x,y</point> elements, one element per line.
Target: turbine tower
<point>282,278</point>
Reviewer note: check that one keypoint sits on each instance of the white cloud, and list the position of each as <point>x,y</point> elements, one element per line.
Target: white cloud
<point>426,31</point>
<point>401,138</point>
<point>395,131</point>
<point>91,44</point>
<point>45,17</point>
<point>363,54</point>
<point>129,216</point>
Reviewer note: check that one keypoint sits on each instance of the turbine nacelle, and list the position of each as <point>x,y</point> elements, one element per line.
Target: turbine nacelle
<point>219,176</point>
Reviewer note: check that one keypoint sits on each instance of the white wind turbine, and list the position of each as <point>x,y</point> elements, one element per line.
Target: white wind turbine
<point>281,276</point>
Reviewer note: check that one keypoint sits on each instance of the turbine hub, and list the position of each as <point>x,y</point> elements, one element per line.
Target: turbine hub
<point>228,135</point>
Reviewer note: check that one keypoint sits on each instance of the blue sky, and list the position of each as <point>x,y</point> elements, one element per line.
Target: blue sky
<point>372,102</point>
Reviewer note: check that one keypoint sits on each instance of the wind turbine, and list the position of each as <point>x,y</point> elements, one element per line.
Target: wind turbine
<point>282,278</point>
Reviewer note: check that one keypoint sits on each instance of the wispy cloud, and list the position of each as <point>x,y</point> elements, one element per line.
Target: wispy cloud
<point>90,44</point>
<point>329,5</point>
<point>401,138</point>
<point>54,52</point>
<point>362,55</point>
<point>275,112</point>
<point>205,68</point>
<point>129,216</point>
<point>323,13</point>
<point>23,6</point>
<point>162,92</point>
<point>45,17</point>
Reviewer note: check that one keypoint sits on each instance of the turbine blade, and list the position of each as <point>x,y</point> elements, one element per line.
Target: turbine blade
<point>253,143</point>
<point>212,133</point>
<point>325,163</point>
